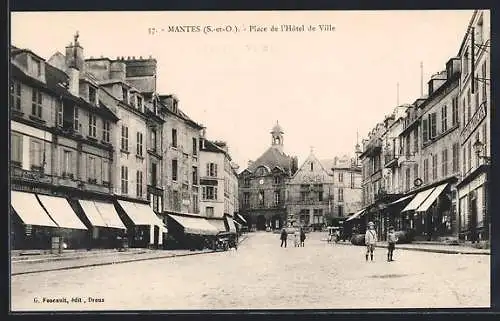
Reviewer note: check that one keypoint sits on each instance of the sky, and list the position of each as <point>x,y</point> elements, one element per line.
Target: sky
<point>323,87</point>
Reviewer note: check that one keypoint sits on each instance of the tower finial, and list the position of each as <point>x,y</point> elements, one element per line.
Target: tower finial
<point>76,37</point>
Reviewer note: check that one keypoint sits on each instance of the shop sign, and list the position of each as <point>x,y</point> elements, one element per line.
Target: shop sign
<point>473,123</point>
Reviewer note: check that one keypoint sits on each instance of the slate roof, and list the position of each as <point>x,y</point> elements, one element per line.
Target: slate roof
<point>328,164</point>
<point>54,83</point>
<point>271,158</point>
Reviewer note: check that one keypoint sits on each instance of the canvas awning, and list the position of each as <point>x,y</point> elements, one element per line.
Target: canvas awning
<point>432,198</point>
<point>61,212</point>
<point>218,224</point>
<point>419,199</point>
<point>356,215</point>
<point>154,218</point>
<point>139,214</point>
<point>402,199</point>
<point>109,215</point>
<point>92,213</point>
<point>29,209</point>
<point>241,218</point>
<point>230,223</point>
<point>195,225</point>
<point>238,225</point>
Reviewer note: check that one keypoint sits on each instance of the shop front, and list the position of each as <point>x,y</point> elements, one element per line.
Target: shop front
<point>31,227</point>
<point>107,230</point>
<point>144,228</point>
<point>72,232</point>
<point>474,222</point>
<point>189,231</point>
<point>430,214</point>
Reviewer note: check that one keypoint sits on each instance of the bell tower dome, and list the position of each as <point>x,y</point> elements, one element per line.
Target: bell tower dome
<point>277,137</point>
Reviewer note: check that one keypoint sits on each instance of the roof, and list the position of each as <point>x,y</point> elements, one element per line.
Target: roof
<point>179,113</point>
<point>55,83</point>
<point>15,51</point>
<point>213,148</point>
<point>277,129</point>
<point>271,158</point>
<point>328,164</point>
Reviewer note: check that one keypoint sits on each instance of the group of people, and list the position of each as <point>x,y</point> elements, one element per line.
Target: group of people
<point>301,235</point>
<point>371,239</point>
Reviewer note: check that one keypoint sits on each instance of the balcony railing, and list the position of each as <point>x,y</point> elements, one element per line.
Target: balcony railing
<point>390,160</point>
<point>66,179</point>
<point>30,175</point>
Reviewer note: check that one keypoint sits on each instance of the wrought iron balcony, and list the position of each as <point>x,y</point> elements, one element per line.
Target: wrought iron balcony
<point>391,160</point>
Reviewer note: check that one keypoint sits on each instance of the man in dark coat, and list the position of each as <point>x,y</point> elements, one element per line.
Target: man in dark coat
<point>284,236</point>
<point>302,237</point>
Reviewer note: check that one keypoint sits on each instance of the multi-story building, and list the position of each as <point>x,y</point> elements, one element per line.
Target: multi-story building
<point>324,192</point>
<point>262,185</point>
<point>347,197</point>
<point>475,110</point>
<point>214,179</point>
<point>432,212</point>
<point>61,151</point>
<point>181,165</point>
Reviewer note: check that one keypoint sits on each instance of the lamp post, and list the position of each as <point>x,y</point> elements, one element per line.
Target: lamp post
<point>478,149</point>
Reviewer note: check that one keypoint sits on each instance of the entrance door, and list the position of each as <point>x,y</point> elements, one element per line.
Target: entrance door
<point>156,235</point>
<point>473,219</point>
<point>261,223</point>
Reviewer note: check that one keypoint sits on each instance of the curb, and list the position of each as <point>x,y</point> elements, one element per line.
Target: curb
<point>109,263</point>
<point>68,258</point>
<point>442,251</point>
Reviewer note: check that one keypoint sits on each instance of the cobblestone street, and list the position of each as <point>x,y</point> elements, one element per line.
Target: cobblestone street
<point>261,275</point>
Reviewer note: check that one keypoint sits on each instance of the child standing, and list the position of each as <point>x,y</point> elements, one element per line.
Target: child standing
<point>370,240</point>
<point>392,239</point>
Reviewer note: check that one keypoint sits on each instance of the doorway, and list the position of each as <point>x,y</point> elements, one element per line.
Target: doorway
<point>473,217</point>
<point>261,223</point>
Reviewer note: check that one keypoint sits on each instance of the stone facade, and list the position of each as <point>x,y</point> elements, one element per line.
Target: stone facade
<point>474,222</point>
<point>324,192</point>
<point>262,185</point>
<point>443,157</point>
<point>218,180</point>
<point>180,159</point>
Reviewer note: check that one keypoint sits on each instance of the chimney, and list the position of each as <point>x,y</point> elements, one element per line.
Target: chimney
<point>74,62</point>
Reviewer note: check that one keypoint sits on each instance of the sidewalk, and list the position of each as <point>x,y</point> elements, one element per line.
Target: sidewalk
<point>435,248</point>
<point>36,262</point>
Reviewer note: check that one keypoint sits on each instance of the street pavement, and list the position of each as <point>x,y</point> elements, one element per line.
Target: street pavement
<point>261,275</point>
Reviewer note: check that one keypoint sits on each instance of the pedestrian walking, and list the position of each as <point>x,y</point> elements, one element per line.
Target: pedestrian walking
<point>370,240</point>
<point>284,236</point>
<point>302,237</point>
<point>392,239</point>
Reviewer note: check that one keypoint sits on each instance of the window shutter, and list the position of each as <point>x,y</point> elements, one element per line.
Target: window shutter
<point>208,169</point>
<point>215,169</point>
<point>424,129</point>
<point>32,153</point>
<point>204,192</point>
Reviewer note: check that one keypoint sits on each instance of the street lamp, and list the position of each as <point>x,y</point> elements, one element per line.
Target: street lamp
<point>478,148</point>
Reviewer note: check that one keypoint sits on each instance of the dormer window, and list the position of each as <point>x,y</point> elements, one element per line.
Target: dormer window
<point>92,95</point>
<point>132,100</point>
<point>139,102</point>
<point>36,67</point>
<point>175,106</point>
<point>124,95</point>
